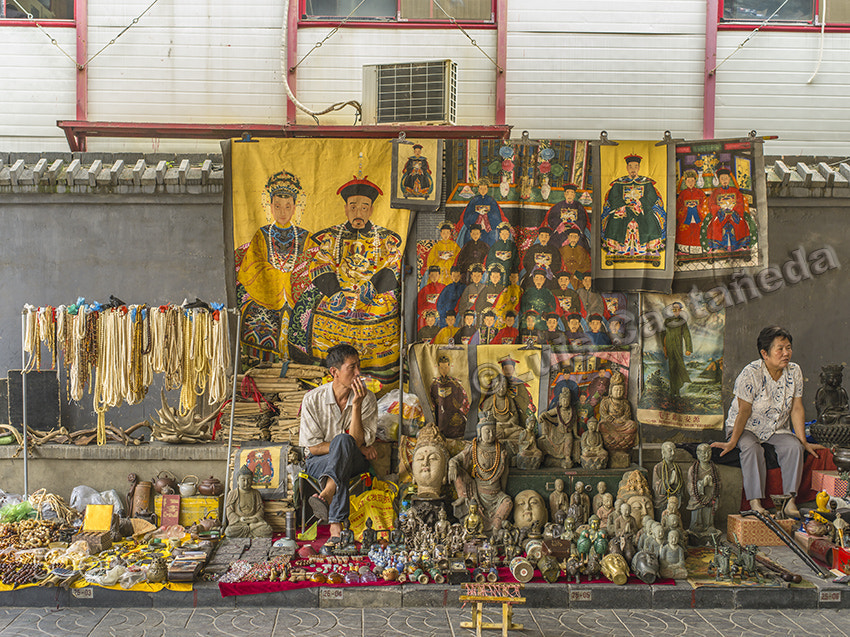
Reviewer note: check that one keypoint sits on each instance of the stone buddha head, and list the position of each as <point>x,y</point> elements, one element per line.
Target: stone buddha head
<point>429,466</point>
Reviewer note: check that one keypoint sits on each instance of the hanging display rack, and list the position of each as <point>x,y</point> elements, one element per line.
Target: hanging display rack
<point>133,390</point>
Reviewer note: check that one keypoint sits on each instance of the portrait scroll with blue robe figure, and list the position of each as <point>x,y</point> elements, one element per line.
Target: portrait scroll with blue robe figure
<point>721,207</point>
<point>633,240</point>
<point>417,169</point>
<point>317,250</point>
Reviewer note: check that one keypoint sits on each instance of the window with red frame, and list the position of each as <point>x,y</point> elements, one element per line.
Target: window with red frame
<point>400,10</point>
<point>39,9</point>
<point>793,12</point>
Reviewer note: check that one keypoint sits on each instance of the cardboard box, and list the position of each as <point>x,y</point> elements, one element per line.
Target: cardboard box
<point>817,479</point>
<point>751,530</point>
<point>194,508</point>
<point>96,528</point>
<point>832,484</point>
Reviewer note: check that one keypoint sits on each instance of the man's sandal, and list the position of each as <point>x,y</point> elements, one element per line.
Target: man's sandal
<point>319,507</point>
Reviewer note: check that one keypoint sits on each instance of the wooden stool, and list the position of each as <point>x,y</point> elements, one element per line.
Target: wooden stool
<point>492,593</point>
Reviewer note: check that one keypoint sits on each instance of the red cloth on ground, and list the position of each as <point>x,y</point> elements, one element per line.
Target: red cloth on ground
<point>773,482</point>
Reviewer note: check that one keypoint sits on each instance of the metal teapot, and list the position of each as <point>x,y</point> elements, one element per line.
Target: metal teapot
<point>211,486</point>
<point>165,483</point>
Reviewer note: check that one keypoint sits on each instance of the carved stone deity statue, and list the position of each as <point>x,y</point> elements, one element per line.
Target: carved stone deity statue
<point>558,499</point>
<point>670,517</point>
<point>579,504</point>
<point>667,478</point>
<point>618,429</point>
<point>625,524</point>
<point>704,490</point>
<point>429,466</point>
<point>558,430</point>
<point>244,508</point>
<point>606,509</point>
<point>671,557</point>
<point>601,490</point>
<point>529,456</point>
<point>593,453</point>
<point>508,399</point>
<point>480,472</point>
<point>831,400</point>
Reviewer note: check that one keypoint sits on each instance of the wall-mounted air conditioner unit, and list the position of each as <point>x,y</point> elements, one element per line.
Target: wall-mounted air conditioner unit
<point>408,92</point>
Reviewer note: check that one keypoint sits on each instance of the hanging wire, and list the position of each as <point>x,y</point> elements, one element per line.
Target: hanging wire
<point>327,37</point>
<point>747,39</point>
<point>820,49</point>
<point>474,43</point>
<point>83,66</point>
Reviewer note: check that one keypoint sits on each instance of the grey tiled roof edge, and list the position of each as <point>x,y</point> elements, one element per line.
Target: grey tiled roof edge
<point>128,173</point>
<point>113,173</point>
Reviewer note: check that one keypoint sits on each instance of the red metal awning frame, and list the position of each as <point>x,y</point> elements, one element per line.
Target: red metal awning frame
<point>78,131</point>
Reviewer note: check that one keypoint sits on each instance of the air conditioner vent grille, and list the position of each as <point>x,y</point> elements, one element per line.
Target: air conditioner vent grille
<point>415,92</point>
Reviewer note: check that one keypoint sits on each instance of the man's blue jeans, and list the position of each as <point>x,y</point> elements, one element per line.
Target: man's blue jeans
<point>342,462</point>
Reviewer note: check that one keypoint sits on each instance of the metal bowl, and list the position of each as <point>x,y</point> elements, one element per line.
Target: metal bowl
<point>837,435</point>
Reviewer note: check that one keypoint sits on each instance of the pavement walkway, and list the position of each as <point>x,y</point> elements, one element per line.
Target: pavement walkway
<point>414,622</point>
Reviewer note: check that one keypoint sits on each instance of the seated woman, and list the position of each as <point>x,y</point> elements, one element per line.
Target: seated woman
<point>768,407</point>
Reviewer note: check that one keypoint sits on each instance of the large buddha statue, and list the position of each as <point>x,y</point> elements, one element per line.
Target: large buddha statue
<point>244,508</point>
<point>618,429</point>
<point>507,397</point>
<point>480,472</point>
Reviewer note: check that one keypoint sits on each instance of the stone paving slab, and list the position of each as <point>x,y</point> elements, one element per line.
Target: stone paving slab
<point>273,622</point>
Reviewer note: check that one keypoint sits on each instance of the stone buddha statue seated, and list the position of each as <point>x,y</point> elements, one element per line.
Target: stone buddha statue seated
<point>831,400</point>
<point>244,508</point>
<point>593,452</point>
<point>557,432</point>
<point>618,429</point>
<point>528,456</point>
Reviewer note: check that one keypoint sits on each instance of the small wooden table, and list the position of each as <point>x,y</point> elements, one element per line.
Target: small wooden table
<point>481,593</point>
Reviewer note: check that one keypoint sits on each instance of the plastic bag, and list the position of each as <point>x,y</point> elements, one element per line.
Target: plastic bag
<point>111,497</point>
<point>377,503</point>
<point>10,498</point>
<point>15,512</point>
<point>82,496</point>
<point>413,418</point>
<point>129,579</point>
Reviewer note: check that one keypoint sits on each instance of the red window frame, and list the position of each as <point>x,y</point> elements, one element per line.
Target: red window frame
<point>394,21</point>
<point>749,25</point>
<point>23,22</point>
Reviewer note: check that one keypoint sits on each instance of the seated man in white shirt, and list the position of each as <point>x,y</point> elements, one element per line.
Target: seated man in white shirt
<point>338,425</point>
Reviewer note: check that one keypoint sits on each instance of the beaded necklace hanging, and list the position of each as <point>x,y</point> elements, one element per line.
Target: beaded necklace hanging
<point>220,361</point>
<point>32,345</point>
<point>485,474</point>
<point>665,477</point>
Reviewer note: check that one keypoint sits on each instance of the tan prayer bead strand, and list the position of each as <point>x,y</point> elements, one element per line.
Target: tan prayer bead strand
<point>188,398</point>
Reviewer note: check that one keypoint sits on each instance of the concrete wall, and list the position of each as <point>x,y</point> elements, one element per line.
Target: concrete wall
<point>143,249</point>
<point>814,310</point>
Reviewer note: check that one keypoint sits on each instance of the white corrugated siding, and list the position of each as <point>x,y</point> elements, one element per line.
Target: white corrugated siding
<point>764,87</point>
<point>334,72</point>
<point>573,69</point>
<point>37,87</point>
<point>633,69</point>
